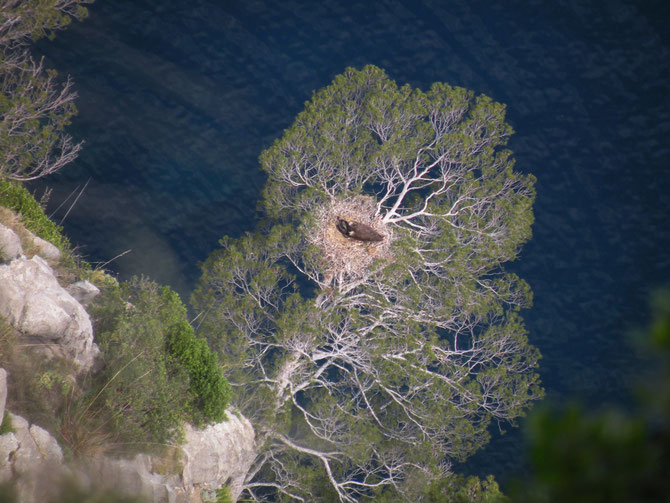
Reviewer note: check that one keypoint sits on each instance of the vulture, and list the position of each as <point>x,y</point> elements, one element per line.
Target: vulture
<point>357,230</point>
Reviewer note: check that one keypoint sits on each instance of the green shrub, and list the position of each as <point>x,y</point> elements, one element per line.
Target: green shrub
<point>6,426</point>
<point>156,372</point>
<point>210,389</point>
<point>17,198</point>
<point>220,495</point>
<point>139,394</point>
<point>457,488</point>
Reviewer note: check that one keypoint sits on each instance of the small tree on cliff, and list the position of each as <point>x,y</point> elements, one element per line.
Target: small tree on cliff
<point>34,107</point>
<point>369,365</point>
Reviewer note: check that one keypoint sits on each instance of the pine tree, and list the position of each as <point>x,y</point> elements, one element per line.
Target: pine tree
<point>366,364</point>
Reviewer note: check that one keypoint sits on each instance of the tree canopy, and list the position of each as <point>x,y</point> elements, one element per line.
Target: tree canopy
<point>371,366</point>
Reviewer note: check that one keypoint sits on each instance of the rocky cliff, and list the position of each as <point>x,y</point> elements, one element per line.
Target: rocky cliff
<point>52,320</point>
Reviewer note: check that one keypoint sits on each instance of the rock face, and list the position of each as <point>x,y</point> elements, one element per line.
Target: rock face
<point>131,477</point>
<point>10,244</point>
<point>220,453</point>
<point>44,248</point>
<point>34,303</point>
<point>32,458</point>
<point>83,292</point>
<point>53,320</point>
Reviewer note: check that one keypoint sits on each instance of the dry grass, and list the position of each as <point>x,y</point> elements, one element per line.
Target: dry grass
<point>37,388</point>
<point>46,393</point>
<point>347,259</point>
<point>10,219</point>
<point>66,272</point>
<point>80,429</point>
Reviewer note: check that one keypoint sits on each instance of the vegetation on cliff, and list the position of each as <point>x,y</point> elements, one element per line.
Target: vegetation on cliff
<point>155,372</point>
<point>17,198</point>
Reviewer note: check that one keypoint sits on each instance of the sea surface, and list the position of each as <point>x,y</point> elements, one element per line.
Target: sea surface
<point>178,99</point>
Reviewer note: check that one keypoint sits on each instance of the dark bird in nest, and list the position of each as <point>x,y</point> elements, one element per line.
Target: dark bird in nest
<point>358,231</point>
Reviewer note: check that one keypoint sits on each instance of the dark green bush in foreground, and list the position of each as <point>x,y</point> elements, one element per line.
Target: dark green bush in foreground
<point>615,456</point>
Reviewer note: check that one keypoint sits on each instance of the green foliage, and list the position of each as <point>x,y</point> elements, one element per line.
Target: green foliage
<point>220,495</point>
<point>223,495</point>
<point>138,396</point>
<point>35,111</point>
<point>609,457</point>
<point>17,198</point>
<point>253,257</point>
<point>6,426</point>
<point>34,107</point>
<point>579,458</point>
<point>452,488</point>
<point>30,20</point>
<point>156,372</point>
<point>208,386</point>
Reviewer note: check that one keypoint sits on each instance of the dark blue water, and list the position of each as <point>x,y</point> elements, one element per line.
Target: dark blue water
<point>178,99</point>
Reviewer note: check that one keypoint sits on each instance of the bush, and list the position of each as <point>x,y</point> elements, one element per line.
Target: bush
<point>223,495</point>
<point>612,455</point>
<point>138,395</point>
<point>461,489</point>
<point>156,372</point>
<point>17,198</point>
<point>210,389</point>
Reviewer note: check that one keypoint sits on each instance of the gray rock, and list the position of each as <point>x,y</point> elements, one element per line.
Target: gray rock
<point>3,393</point>
<point>10,244</point>
<point>32,459</point>
<point>216,455</point>
<point>36,446</point>
<point>45,249</point>
<point>9,444</point>
<point>47,446</point>
<point>28,455</point>
<point>129,476</point>
<point>83,291</point>
<point>49,317</point>
<point>220,453</point>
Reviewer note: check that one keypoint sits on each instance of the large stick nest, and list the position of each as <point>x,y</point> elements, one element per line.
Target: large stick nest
<point>346,258</point>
